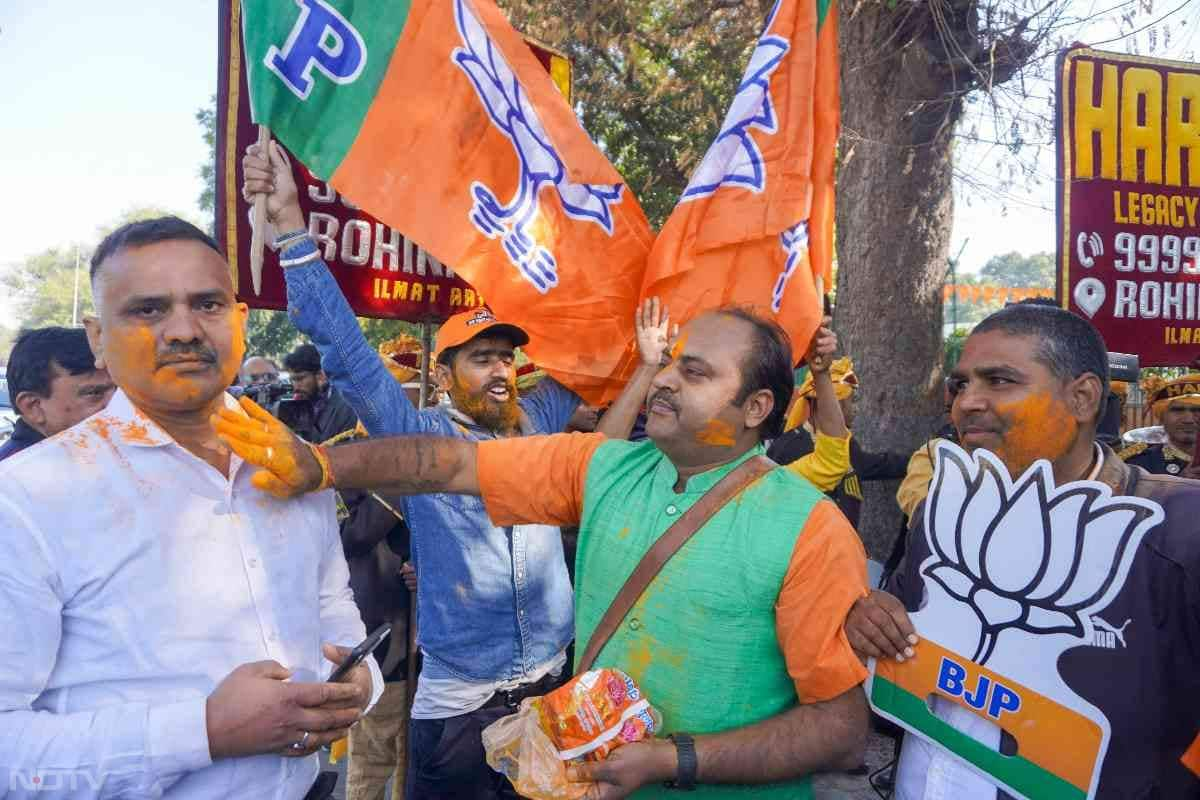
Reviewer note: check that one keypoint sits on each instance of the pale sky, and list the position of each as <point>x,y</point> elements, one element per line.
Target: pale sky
<point>99,102</point>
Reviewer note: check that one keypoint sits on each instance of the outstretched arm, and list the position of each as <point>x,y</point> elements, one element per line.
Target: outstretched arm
<point>291,466</point>
<point>501,470</point>
<point>652,323</point>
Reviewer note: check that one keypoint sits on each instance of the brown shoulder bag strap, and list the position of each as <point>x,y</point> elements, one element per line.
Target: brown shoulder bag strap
<point>666,546</point>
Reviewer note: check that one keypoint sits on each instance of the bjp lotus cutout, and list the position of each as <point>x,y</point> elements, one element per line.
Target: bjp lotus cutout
<point>1019,572</point>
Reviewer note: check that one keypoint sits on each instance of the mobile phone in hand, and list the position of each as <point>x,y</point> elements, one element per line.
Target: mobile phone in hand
<point>364,649</point>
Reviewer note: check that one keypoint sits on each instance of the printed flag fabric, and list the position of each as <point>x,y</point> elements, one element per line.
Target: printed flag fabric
<point>754,226</point>
<point>435,116</point>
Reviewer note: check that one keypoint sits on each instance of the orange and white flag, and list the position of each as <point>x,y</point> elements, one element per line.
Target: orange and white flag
<point>436,118</point>
<point>755,224</point>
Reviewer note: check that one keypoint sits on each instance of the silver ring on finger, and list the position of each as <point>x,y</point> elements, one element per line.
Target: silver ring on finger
<point>300,745</point>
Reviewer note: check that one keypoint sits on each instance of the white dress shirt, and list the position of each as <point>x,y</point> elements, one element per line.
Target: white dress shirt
<point>134,578</point>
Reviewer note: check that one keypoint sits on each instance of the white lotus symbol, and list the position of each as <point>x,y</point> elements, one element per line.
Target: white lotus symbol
<point>734,158</point>
<point>1025,554</point>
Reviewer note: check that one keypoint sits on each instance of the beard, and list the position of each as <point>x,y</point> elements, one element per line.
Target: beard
<point>502,417</point>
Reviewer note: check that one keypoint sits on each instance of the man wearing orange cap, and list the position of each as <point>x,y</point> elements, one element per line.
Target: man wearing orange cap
<point>1176,404</point>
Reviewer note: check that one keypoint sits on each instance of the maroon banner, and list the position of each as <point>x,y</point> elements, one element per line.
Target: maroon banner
<point>381,273</point>
<point>1129,201</point>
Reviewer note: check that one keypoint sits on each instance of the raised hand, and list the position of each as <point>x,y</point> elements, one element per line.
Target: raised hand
<point>290,466</point>
<point>824,345</point>
<point>652,322</point>
<point>270,173</point>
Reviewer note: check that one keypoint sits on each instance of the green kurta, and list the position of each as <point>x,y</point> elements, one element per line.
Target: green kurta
<point>701,642</point>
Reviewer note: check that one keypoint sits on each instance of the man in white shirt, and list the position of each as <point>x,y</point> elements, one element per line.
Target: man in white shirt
<point>168,626</point>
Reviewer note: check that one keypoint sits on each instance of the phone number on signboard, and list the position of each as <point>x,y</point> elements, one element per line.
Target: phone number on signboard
<point>1168,254</point>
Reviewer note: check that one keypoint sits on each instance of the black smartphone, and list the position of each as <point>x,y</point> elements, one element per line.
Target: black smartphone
<point>364,649</point>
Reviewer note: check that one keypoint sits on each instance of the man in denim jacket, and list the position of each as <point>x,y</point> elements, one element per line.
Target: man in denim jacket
<point>495,609</point>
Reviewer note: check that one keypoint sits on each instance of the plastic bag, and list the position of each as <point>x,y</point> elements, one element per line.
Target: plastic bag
<point>585,719</point>
<point>518,748</point>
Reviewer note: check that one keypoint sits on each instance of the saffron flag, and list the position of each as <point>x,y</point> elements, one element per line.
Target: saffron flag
<point>755,224</point>
<point>434,116</point>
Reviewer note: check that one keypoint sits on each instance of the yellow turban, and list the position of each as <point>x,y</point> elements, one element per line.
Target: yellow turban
<point>1185,390</point>
<point>844,384</point>
<point>402,357</point>
<point>529,374</point>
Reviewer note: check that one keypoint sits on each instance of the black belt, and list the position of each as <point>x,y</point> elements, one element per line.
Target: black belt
<point>511,698</point>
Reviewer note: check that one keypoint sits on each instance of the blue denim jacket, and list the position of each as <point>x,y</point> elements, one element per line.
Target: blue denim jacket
<point>493,603</point>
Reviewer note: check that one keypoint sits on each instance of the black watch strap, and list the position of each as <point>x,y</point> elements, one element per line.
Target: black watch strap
<point>685,774</point>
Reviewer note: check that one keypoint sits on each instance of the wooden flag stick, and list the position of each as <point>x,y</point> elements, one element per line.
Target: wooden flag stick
<point>259,228</point>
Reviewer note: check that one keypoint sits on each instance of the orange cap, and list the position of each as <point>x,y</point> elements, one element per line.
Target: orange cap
<point>462,328</point>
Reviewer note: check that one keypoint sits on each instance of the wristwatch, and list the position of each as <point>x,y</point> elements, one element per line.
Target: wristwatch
<point>685,773</point>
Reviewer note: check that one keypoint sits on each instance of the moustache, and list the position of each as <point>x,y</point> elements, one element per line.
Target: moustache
<point>178,355</point>
<point>666,396</point>
<point>980,422</point>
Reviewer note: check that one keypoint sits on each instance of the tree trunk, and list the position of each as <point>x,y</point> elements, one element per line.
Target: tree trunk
<point>894,214</point>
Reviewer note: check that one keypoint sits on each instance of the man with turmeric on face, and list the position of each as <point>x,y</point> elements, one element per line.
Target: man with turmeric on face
<point>169,628</point>
<point>1032,384</point>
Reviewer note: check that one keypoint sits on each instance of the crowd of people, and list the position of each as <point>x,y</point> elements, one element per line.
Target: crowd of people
<point>181,579</point>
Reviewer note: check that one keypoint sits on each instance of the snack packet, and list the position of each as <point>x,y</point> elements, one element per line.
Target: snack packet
<point>585,719</point>
<point>594,713</point>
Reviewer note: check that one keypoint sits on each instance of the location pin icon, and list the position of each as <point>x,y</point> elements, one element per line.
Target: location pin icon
<point>1089,296</point>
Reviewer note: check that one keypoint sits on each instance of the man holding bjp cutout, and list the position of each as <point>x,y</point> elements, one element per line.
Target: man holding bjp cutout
<point>1031,384</point>
<point>168,630</point>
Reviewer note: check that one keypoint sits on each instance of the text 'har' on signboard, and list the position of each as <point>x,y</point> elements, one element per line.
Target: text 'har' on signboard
<point>1129,201</point>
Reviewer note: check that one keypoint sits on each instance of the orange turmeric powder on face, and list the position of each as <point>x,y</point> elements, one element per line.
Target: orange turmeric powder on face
<point>132,356</point>
<point>1039,426</point>
<point>717,433</point>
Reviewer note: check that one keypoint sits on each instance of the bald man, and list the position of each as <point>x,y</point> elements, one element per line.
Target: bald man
<point>257,370</point>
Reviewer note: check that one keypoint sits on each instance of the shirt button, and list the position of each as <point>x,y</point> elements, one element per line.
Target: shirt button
<point>671,509</point>
<point>635,624</point>
<point>253,562</point>
<point>521,612</point>
<point>272,636</point>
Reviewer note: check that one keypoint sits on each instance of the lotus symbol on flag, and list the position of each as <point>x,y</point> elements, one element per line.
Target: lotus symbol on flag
<point>540,164</point>
<point>734,158</point>
<point>1025,554</point>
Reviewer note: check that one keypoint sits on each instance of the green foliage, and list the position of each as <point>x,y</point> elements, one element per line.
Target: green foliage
<point>1011,270</point>
<point>1014,269</point>
<point>379,331</point>
<point>207,119</point>
<point>44,287</point>
<point>270,334</point>
<point>952,349</point>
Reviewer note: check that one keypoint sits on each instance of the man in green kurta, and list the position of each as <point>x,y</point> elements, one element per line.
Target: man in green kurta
<point>738,641</point>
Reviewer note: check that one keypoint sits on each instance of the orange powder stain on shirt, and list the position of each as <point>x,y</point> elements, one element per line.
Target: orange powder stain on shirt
<point>717,433</point>
<point>1040,426</point>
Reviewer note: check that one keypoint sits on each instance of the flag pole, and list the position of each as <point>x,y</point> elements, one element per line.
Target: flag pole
<point>259,228</point>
